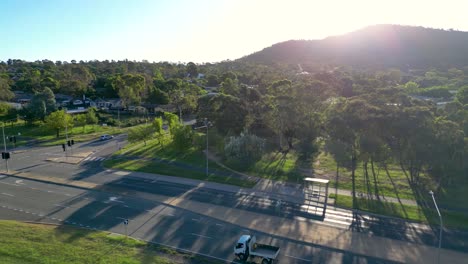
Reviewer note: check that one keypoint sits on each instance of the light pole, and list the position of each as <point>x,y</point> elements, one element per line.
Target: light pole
<point>206,124</point>
<point>441,226</point>
<point>4,145</point>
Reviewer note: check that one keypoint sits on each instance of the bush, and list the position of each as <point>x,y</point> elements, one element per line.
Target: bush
<point>183,137</point>
<point>244,150</point>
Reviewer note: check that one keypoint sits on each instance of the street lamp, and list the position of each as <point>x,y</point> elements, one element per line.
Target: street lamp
<point>206,124</point>
<point>441,226</point>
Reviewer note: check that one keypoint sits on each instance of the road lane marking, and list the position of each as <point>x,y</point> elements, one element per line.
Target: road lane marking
<point>7,194</point>
<point>196,220</point>
<point>298,258</point>
<point>219,225</point>
<point>62,205</point>
<point>198,235</point>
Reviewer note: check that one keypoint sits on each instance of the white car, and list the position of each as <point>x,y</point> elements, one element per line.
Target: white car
<point>106,137</point>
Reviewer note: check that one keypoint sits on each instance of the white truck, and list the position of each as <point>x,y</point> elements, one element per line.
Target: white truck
<point>247,246</point>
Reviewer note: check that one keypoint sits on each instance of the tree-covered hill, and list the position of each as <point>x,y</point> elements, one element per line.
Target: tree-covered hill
<point>377,46</point>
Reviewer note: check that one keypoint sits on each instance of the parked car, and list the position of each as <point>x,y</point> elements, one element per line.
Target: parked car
<point>106,137</point>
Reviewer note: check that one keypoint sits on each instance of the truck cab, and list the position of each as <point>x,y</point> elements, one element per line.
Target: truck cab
<point>247,246</point>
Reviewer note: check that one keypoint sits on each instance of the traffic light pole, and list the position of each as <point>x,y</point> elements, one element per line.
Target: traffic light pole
<point>4,145</point>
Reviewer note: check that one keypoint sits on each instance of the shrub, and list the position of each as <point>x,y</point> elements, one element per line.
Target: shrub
<point>244,150</point>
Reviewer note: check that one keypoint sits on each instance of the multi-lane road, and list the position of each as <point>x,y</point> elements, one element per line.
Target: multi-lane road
<point>166,212</point>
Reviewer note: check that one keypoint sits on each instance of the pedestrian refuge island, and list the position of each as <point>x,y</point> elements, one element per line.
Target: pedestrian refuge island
<point>316,196</point>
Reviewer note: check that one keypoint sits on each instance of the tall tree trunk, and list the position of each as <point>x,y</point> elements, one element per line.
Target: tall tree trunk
<point>353,178</point>
<point>336,181</point>
<point>376,189</point>
<point>366,180</point>
<point>58,133</point>
<point>180,114</point>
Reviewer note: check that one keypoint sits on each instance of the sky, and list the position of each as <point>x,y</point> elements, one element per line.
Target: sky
<point>196,30</point>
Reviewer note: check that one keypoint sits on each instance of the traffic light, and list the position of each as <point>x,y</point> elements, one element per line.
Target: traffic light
<point>69,143</point>
<point>11,139</point>
<point>5,155</point>
<point>14,139</point>
<point>63,146</point>
<point>73,142</point>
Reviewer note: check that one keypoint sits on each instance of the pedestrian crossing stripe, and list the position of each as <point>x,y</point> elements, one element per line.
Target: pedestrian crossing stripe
<point>94,159</point>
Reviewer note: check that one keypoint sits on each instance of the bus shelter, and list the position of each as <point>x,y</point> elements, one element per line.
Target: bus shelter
<point>316,195</point>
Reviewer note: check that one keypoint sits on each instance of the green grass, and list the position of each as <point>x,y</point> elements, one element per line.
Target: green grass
<point>400,187</point>
<point>276,166</point>
<point>35,244</point>
<point>190,156</point>
<point>411,212</point>
<point>46,137</point>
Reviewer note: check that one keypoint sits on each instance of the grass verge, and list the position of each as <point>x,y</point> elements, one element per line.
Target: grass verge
<point>32,243</point>
<point>189,157</point>
<point>452,219</point>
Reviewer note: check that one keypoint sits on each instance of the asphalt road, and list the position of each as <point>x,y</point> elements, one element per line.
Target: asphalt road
<point>153,221</point>
<point>149,220</point>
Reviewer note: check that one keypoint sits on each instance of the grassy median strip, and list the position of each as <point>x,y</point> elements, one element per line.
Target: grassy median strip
<point>33,243</point>
<point>171,170</point>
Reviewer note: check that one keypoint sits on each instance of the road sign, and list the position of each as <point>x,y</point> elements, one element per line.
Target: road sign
<point>125,222</point>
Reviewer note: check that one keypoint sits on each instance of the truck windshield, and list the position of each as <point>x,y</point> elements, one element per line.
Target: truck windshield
<point>239,245</point>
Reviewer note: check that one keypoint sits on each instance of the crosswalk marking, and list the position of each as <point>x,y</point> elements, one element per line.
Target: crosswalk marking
<point>89,159</point>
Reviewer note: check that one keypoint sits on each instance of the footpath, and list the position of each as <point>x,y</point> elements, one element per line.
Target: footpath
<point>301,230</point>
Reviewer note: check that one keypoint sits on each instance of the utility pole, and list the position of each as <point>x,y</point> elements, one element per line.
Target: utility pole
<point>441,226</point>
<point>4,145</point>
<point>66,136</point>
<point>206,124</point>
<point>118,115</point>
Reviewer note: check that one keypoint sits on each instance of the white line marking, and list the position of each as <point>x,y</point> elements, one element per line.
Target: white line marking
<point>64,206</point>
<point>67,194</point>
<point>193,234</point>
<point>154,181</point>
<point>196,220</point>
<point>26,212</point>
<point>126,206</point>
<point>170,214</point>
<point>49,191</point>
<point>86,159</point>
<point>298,258</point>
<point>7,194</point>
<point>219,225</point>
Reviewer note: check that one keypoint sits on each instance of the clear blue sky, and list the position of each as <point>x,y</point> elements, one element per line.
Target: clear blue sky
<point>196,30</point>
